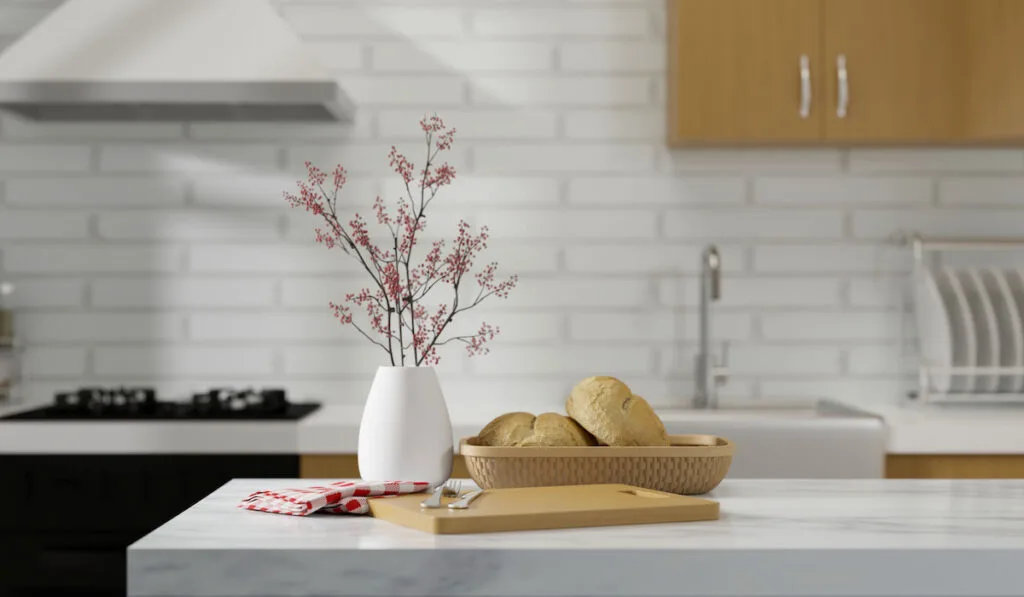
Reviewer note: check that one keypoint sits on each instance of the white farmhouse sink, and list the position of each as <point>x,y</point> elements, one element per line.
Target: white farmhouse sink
<point>791,440</point>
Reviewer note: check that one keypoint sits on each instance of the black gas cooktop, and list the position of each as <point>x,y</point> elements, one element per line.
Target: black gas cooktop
<point>141,404</point>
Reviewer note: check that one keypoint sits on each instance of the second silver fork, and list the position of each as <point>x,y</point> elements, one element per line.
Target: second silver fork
<point>450,488</point>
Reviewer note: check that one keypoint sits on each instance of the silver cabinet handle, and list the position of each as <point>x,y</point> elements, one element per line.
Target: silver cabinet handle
<point>844,86</point>
<point>805,86</point>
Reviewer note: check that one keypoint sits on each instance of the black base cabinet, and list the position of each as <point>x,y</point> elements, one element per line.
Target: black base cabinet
<point>66,521</point>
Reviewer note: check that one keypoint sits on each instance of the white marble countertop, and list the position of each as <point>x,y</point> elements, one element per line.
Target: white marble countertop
<point>782,538</point>
<point>952,429</point>
<point>334,429</point>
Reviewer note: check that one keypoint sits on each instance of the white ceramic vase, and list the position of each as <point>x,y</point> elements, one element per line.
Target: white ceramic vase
<point>405,433</point>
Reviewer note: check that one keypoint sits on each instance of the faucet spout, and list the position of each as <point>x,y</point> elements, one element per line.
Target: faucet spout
<point>707,372</point>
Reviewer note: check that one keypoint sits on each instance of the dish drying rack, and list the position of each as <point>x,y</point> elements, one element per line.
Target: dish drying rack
<point>923,246</point>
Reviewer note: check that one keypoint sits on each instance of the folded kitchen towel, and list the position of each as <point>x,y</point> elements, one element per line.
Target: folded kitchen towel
<point>343,497</point>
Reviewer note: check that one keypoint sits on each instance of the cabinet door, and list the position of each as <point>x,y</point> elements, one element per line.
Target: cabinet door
<point>735,71</point>
<point>995,64</point>
<point>903,75</point>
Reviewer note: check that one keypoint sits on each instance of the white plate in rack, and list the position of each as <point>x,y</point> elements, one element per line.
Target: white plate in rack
<point>1011,332</point>
<point>965,347</point>
<point>1015,280</point>
<point>933,329</point>
<point>985,328</point>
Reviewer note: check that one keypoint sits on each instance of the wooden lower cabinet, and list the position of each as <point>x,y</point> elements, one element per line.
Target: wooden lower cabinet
<point>954,466</point>
<point>344,466</point>
<point>897,466</point>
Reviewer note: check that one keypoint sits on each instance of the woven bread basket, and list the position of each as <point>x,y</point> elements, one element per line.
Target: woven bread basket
<point>692,464</point>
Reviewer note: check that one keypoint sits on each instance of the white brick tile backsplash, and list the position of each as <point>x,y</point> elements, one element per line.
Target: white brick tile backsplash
<point>269,258</point>
<point>566,361</point>
<point>746,360</point>
<point>532,159</point>
<point>17,128</point>
<point>810,161</point>
<point>235,159</point>
<point>442,224</point>
<point>45,293</point>
<point>163,252</point>
<point>850,389</point>
<point>297,291</point>
<point>772,361</point>
<point>831,259</point>
<point>176,292</point>
<point>940,222</point>
<point>742,224</point>
<point>979,191</point>
<point>755,292</point>
<point>481,124</point>
<point>881,360</point>
<point>658,191</point>
<point>513,327</point>
<point>338,55</point>
<point>424,56</point>
<point>360,128</point>
<point>209,362</point>
<point>579,292</point>
<point>809,325</point>
<point>553,90</point>
<point>44,158</point>
<point>347,361</point>
<point>485,191</point>
<point>208,225</point>
<point>936,160</point>
<point>883,292</point>
<point>615,124</point>
<point>435,91</point>
<point>99,327</point>
<point>605,224</point>
<point>262,190</point>
<point>371,20</point>
<point>361,158</point>
<point>88,193</point>
<point>514,257</point>
<point>604,56</point>
<point>53,362</point>
<point>18,18</point>
<point>856,191</point>
<point>558,22</point>
<point>21,224</point>
<point>644,259</point>
<point>655,326</point>
<point>318,325</point>
<point>91,259</point>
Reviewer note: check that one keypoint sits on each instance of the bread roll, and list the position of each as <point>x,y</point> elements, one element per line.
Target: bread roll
<point>553,429</point>
<point>523,429</point>
<point>607,408</point>
<point>507,430</point>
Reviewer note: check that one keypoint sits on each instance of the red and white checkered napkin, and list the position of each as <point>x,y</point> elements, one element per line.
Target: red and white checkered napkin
<point>343,497</point>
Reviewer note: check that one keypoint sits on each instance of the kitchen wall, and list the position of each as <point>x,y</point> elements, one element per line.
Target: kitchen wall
<point>163,253</point>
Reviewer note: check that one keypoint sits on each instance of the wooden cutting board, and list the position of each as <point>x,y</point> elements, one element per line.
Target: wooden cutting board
<point>532,508</point>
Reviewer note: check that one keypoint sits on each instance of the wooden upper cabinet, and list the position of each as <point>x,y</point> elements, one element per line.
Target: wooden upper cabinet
<point>994,86</point>
<point>904,70</point>
<point>735,71</point>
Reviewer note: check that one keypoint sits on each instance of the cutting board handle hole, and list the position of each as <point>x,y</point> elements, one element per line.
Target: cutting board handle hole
<point>644,494</point>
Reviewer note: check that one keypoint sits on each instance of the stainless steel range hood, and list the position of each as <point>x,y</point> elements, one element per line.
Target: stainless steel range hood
<point>166,60</point>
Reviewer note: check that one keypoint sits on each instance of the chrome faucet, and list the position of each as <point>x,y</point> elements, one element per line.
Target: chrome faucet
<point>708,373</point>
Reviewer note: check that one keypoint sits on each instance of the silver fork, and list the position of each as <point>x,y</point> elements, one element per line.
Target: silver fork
<point>450,488</point>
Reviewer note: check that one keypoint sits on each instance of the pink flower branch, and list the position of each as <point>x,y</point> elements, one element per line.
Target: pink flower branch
<point>394,306</point>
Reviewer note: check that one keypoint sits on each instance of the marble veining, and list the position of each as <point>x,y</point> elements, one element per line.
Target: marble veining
<point>775,537</point>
